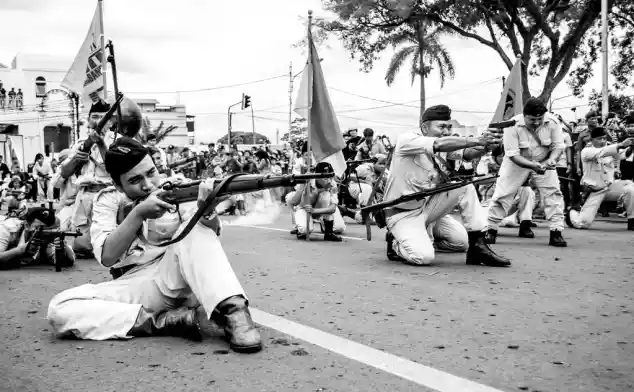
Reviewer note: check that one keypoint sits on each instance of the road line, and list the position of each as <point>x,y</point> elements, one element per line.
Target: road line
<point>415,372</point>
<point>226,223</point>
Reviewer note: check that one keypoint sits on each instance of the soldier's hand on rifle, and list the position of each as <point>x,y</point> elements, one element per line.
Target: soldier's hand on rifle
<point>96,137</point>
<point>153,207</point>
<point>308,208</point>
<point>490,137</point>
<point>80,157</point>
<point>204,190</point>
<point>626,143</point>
<point>539,168</point>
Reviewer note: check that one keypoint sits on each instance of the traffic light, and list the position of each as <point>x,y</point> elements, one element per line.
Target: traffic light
<point>246,101</point>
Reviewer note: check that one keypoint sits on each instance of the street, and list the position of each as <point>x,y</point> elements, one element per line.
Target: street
<point>557,320</point>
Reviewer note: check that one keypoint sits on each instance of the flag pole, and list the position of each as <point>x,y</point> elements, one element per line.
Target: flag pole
<point>104,57</point>
<point>309,216</point>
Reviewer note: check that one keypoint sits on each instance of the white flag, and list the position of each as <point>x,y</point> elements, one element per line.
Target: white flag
<point>85,76</point>
<point>313,101</point>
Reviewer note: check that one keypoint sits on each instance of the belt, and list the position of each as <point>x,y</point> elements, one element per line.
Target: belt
<point>389,212</point>
<point>94,188</point>
<point>119,272</point>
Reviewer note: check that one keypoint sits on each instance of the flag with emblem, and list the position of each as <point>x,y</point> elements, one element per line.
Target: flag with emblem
<point>511,102</point>
<point>86,76</point>
<point>313,103</point>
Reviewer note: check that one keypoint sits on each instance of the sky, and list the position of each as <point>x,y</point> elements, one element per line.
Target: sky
<point>166,46</point>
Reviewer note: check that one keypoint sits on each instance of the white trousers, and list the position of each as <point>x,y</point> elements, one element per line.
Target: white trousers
<point>195,269</point>
<point>409,228</point>
<point>299,221</point>
<point>448,235</point>
<point>619,190</point>
<point>521,209</point>
<point>511,179</point>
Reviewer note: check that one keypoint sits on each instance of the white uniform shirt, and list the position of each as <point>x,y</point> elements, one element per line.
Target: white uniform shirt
<point>598,166</point>
<point>104,221</point>
<point>413,169</point>
<point>94,171</point>
<point>563,158</point>
<point>520,141</point>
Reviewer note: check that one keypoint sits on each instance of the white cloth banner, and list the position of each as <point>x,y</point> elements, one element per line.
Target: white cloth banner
<point>85,76</point>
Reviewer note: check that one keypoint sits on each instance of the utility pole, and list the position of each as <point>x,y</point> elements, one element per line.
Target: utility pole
<point>604,48</point>
<point>252,124</point>
<point>290,97</point>
<point>229,118</point>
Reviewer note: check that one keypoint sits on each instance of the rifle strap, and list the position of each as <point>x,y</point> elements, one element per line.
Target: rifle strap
<point>209,201</point>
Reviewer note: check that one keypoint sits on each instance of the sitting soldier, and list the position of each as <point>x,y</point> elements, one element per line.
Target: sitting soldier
<point>177,290</point>
<point>320,202</point>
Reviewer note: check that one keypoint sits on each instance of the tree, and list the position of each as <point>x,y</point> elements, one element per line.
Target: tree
<point>426,52</point>
<point>545,34</point>
<point>159,132</point>
<point>238,137</point>
<point>617,103</point>
<point>298,131</point>
<point>621,34</point>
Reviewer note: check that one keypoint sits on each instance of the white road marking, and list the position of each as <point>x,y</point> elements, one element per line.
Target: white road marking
<point>228,224</point>
<point>415,372</point>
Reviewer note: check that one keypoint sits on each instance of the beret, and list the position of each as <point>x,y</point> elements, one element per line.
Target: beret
<point>598,132</point>
<point>535,107</point>
<point>123,155</point>
<point>437,113</point>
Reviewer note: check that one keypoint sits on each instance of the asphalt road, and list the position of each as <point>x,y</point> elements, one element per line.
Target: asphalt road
<point>558,320</point>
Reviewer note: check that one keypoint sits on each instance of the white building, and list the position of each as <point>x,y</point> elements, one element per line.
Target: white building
<point>43,118</point>
<point>169,115</point>
<point>30,125</point>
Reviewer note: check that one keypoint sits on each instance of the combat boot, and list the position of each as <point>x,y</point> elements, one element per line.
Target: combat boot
<point>391,253</point>
<point>329,233</point>
<point>525,230</point>
<point>491,236</point>
<point>479,252</point>
<point>181,322</point>
<point>239,328</point>
<point>557,240</point>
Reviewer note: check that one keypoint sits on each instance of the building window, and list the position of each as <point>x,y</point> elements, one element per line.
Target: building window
<point>40,87</point>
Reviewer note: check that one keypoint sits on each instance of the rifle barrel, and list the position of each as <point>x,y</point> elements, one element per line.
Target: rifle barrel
<point>245,183</point>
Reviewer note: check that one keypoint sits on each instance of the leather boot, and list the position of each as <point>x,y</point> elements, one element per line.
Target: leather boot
<point>391,253</point>
<point>239,327</point>
<point>329,233</point>
<point>630,224</point>
<point>180,322</point>
<point>491,236</point>
<point>557,240</point>
<point>525,230</point>
<point>479,252</point>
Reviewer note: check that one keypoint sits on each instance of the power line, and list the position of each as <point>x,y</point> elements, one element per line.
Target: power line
<point>208,88</point>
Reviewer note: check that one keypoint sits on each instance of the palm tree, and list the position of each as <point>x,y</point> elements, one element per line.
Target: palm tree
<point>427,54</point>
<point>159,132</point>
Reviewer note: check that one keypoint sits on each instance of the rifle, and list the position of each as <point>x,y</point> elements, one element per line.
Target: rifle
<point>88,143</point>
<point>43,237</point>
<point>360,161</point>
<point>503,124</point>
<point>181,162</point>
<point>177,194</point>
<point>453,183</point>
